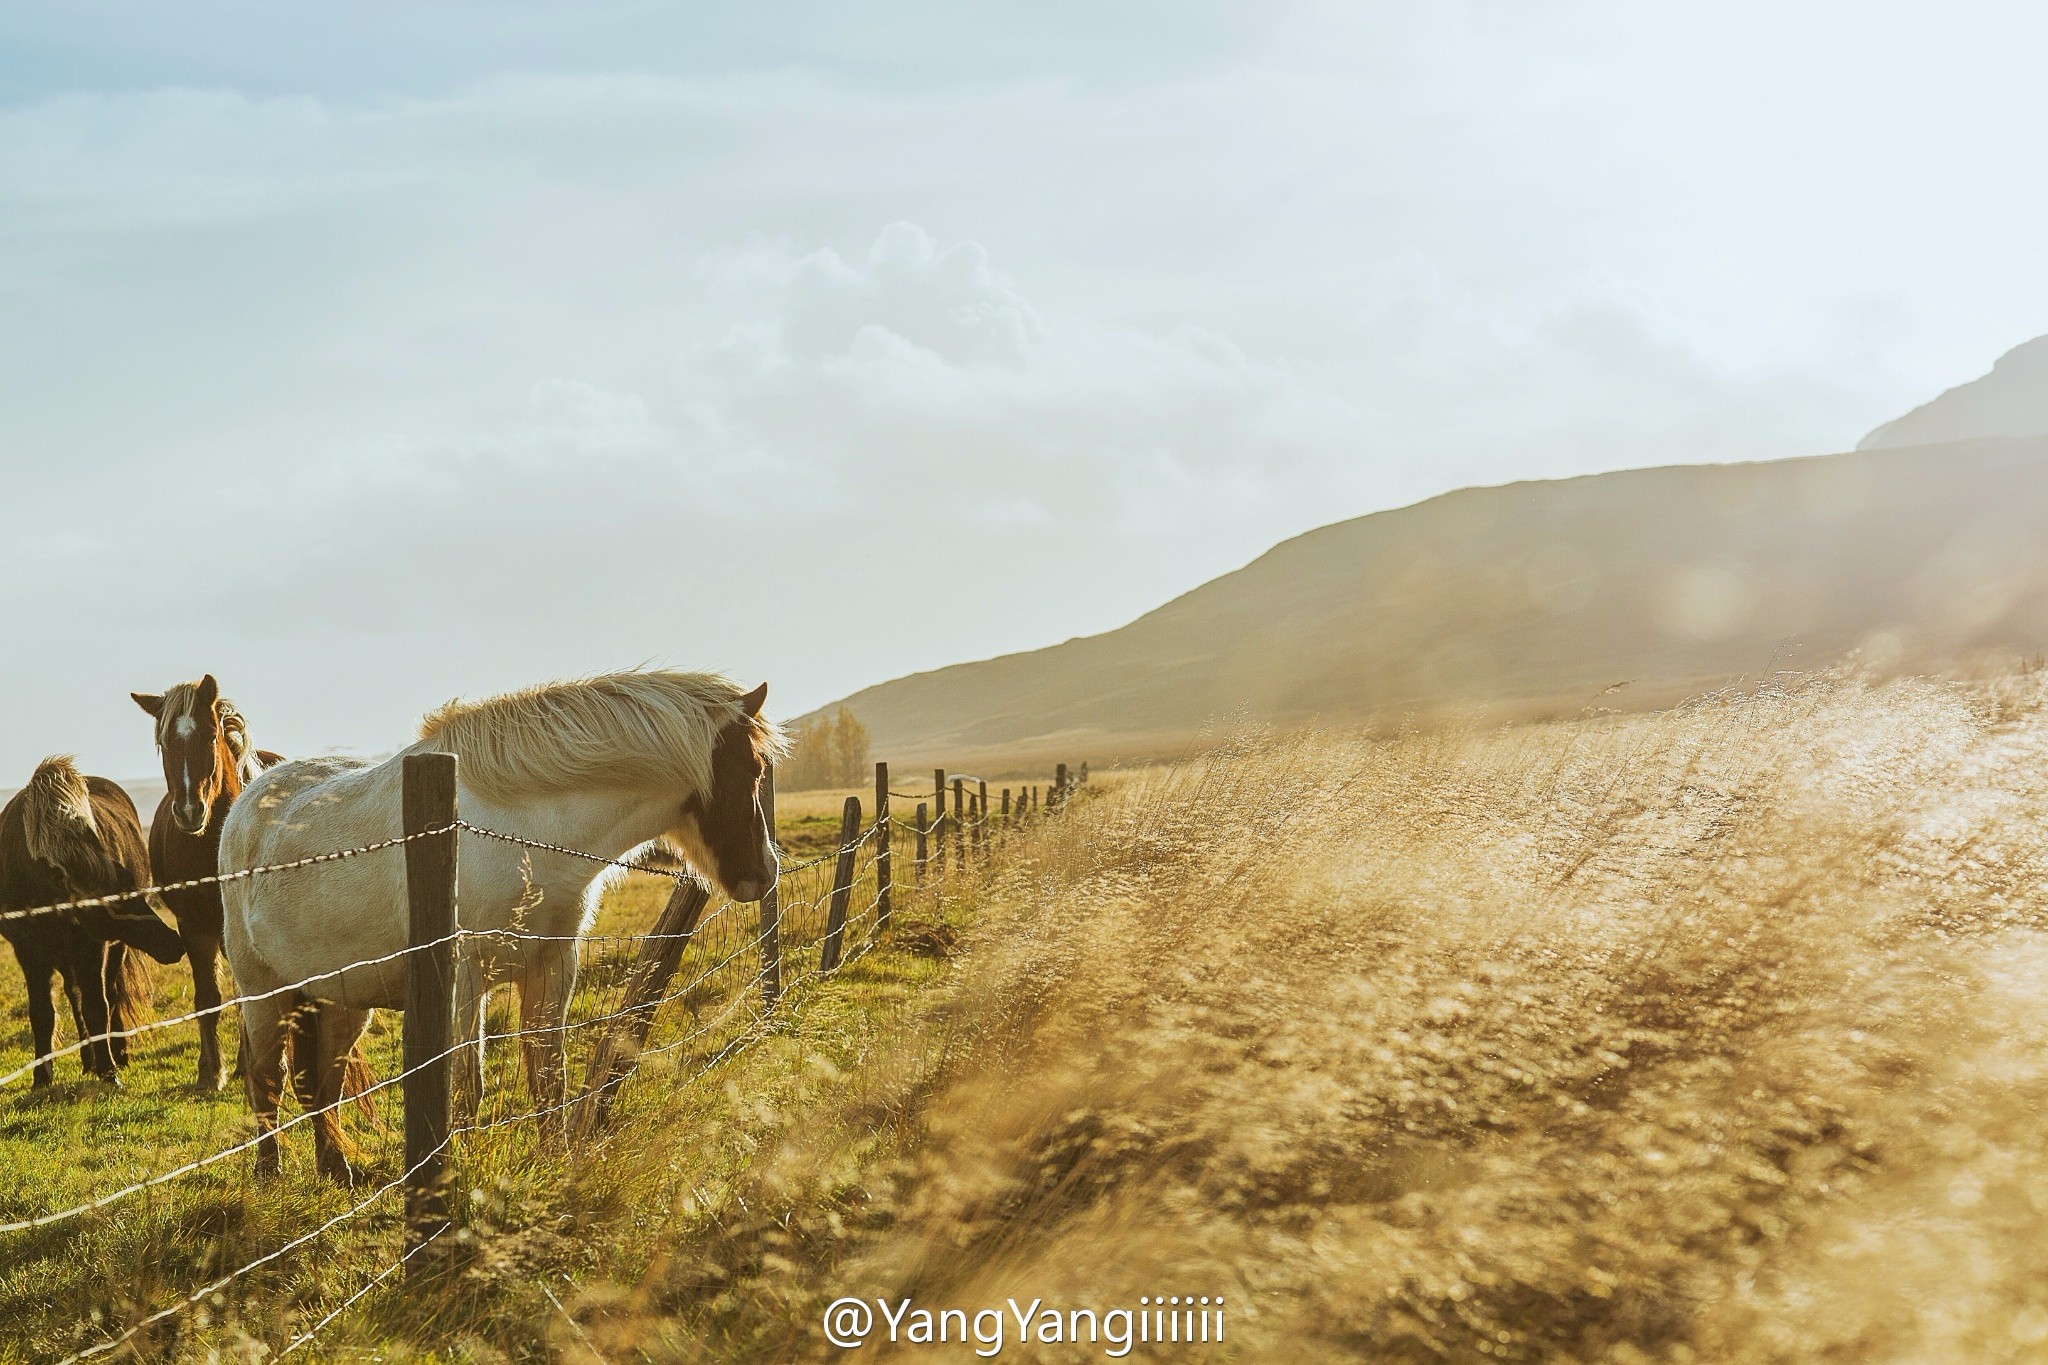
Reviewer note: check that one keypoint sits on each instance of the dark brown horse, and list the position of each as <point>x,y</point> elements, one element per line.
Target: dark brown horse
<point>207,759</point>
<point>68,837</point>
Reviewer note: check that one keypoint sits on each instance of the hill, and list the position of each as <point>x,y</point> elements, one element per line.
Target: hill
<point>2010,401</point>
<point>1635,588</point>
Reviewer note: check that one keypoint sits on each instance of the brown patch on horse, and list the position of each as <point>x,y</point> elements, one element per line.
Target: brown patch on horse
<point>727,815</point>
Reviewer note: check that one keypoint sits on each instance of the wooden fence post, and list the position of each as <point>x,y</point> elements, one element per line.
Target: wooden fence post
<point>1059,786</point>
<point>618,1051</point>
<point>939,818</point>
<point>771,908</point>
<point>922,847</point>
<point>885,880</point>
<point>1006,810</point>
<point>960,822</point>
<point>428,803</point>
<point>981,819</point>
<point>842,884</point>
<point>1034,798</point>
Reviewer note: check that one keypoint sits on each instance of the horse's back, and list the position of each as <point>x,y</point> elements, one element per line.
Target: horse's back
<point>294,924</point>
<point>287,810</point>
<point>120,827</point>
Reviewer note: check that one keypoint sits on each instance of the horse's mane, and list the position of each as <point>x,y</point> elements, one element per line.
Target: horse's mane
<point>56,813</point>
<point>653,727</point>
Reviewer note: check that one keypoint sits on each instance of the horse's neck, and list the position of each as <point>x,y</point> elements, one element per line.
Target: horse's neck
<point>605,823</point>
<point>236,770</point>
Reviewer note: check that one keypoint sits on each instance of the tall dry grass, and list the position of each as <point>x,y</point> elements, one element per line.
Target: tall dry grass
<point>1712,1035</point>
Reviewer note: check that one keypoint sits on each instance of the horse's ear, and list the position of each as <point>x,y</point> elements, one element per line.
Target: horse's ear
<point>754,700</point>
<point>209,692</point>
<point>149,701</point>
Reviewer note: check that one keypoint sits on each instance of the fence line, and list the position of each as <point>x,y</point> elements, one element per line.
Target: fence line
<point>968,827</point>
<point>218,878</point>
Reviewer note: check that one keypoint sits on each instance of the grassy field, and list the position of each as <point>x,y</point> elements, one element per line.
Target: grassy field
<point>63,1287</point>
<point>1709,1035</point>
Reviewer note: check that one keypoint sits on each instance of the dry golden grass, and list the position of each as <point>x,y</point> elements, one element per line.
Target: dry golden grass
<point>1711,1035</point>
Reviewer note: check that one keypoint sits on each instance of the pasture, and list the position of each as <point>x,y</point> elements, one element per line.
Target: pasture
<point>1714,1034</point>
<point>66,1286</point>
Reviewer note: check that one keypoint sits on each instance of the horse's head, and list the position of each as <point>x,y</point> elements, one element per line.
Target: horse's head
<point>204,745</point>
<point>723,831</point>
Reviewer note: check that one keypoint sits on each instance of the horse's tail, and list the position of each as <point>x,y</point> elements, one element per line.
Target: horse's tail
<point>302,1053</point>
<point>56,816</point>
<point>356,1082</point>
<point>131,987</point>
<point>301,1025</point>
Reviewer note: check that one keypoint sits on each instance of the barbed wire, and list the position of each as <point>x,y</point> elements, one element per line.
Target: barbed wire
<point>216,879</point>
<point>224,1281</point>
<point>144,893</point>
<point>200,1163</point>
<point>352,1300</point>
<point>732,1048</point>
<point>58,1054</point>
<point>306,1116</point>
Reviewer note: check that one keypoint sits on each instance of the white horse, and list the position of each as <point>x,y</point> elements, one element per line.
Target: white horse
<point>606,764</point>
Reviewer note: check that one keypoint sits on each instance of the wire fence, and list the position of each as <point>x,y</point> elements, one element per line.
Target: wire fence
<point>700,993</point>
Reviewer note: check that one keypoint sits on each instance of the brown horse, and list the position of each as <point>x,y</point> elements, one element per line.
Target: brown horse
<point>68,837</point>
<point>207,759</point>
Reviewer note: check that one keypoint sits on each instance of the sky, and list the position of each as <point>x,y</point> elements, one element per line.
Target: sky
<point>371,354</point>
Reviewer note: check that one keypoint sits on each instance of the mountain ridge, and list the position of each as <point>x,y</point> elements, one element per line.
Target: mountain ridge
<point>1534,597</point>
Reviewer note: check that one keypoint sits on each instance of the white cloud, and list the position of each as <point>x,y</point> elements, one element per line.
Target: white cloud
<point>565,342</point>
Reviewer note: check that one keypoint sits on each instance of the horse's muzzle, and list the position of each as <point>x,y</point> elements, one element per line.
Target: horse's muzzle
<point>751,889</point>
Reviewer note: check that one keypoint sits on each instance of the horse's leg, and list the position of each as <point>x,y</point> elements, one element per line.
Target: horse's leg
<point>263,1053</point>
<point>89,988</point>
<point>335,1031</point>
<point>72,1000</point>
<point>467,1065</point>
<point>38,967</point>
<point>120,1013</point>
<point>202,945</point>
<point>544,995</point>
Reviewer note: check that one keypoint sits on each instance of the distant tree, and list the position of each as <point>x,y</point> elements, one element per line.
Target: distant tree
<point>825,751</point>
<point>849,750</point>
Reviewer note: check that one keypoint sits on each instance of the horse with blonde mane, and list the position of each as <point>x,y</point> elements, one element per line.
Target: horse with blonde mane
<point>608,765</point>
<point>64,837</point>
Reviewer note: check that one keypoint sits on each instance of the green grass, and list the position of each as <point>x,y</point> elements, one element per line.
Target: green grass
<point>531,1221</point>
